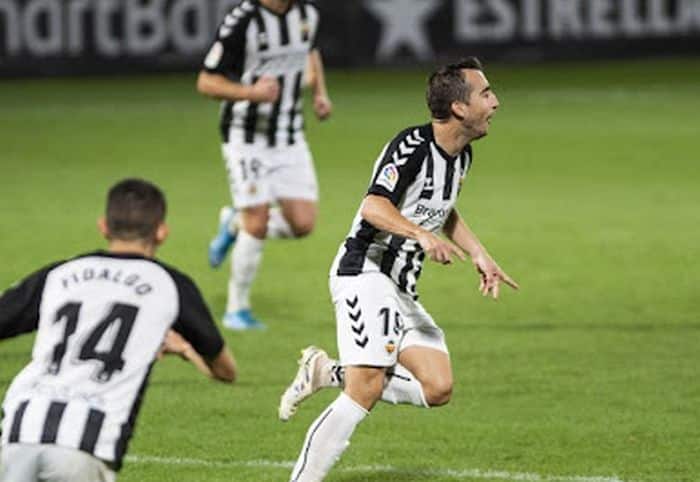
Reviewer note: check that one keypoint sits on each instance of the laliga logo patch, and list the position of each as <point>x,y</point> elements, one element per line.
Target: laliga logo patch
<point>389,176</point>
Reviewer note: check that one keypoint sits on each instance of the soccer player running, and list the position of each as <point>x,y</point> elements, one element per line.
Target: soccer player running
<point>102,319</point>
<point>257,67</point>
<point>389,346</point>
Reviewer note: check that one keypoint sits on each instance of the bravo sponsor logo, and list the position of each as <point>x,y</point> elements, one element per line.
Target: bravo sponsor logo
<point>430,214</point>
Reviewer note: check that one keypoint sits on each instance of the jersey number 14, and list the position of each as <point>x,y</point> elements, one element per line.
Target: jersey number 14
<point>111,359</point>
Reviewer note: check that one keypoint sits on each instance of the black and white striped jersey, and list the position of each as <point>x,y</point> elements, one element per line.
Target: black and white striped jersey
<point>423,182</point>
<point>252,42</point>
<point>100,321</point>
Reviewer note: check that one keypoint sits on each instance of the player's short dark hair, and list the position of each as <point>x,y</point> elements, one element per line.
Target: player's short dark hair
<point>135,209</point>
<point>447,85</point>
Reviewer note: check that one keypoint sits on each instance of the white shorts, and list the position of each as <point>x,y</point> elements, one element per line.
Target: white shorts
<point>51,463</point>
<point>259,174</point>
<point>376,321</point>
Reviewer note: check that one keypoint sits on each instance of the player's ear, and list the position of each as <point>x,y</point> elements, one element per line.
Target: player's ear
<point>459,109</point>
<point>102,227</point>
<point>162,233</point>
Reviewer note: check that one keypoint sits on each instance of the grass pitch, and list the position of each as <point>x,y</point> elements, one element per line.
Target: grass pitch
<point>587,191</point>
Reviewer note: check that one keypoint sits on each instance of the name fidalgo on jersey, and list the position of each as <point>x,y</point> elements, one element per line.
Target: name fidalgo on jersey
<point>423,182</point>
<point>253,42</point>
<point>100,321</point>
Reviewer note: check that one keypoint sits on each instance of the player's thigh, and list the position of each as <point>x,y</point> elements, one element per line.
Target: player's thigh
<point>364,384</point>
<point>249,174</point>
<point>301,214</point>
<point>433,370</point>
<point>60,464</point>
<point>294,175</point>
<point>367,330</point>
<point>424,352</point>
<point>19,463</point>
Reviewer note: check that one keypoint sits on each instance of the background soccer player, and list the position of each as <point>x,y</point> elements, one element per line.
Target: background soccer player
<point>389,346</point>
<point>102,319</point>
<point>256,66</point>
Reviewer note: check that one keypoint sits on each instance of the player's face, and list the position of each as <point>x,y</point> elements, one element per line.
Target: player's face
<point>481,105</point>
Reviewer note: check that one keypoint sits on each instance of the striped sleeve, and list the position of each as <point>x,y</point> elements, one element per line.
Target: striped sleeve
<point>399,165</point>
<point>226,56</point>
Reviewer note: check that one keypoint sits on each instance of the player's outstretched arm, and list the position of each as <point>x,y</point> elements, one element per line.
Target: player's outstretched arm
<point>490,273</point>
<point>323,107</point>
<point>217,86</point>
<point>381,213</point>
<point>222,367</point>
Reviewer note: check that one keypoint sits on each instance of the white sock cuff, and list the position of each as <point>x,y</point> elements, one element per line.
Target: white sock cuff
<point>348,406</point>
<point>252,242</point>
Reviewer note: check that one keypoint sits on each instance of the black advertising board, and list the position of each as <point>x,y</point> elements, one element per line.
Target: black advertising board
<point>44,37</point>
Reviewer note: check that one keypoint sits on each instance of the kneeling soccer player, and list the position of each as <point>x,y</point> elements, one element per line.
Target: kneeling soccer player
<point>102,319</point>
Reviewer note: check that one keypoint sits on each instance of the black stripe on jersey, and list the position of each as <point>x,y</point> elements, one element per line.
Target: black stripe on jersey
<point>52,421</point>
<point>226,120</point>
<point>449,179</point>
<point>390,254</point>
<point>356,249</point>
<point>293,111</point>
<point>304,21</point>
<point>263,42</point>
<point>429,185</point>
<point>284,30</point>
<point>127,428</point>
<point>274,115</point>
<point>412,287</point>
<point>251,118</point>
<point>17,422</point>
<point>403,276</point>
<point>91,432</point>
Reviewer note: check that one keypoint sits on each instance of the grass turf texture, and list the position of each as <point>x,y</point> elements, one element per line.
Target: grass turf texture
<point>586,192</point>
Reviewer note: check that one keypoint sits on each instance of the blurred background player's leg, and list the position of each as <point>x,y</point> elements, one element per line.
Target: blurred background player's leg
<point>245,262</point>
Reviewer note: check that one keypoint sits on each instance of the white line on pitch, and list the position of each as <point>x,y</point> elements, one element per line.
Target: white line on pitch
<point>445,473</point>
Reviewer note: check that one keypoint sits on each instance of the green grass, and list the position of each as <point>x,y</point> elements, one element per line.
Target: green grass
<point>587,191</point>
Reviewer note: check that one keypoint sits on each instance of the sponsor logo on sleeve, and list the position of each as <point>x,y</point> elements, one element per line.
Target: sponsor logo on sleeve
<point>389,177</point>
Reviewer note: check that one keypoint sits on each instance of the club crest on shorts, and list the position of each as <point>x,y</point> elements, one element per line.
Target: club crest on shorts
<point>390,347</point>
<point>252,190</point>
<point>389,176</point>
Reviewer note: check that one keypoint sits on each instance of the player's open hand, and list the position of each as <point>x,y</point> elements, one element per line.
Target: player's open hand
<point>323,107</point>
<point>437,249</point>
<point>177,345</point>
<point>266,89</point>
<point>491,275</point>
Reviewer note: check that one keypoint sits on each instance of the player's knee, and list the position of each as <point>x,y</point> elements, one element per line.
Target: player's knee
<point>256,226</point>
<point>364,386</point>
<point>438,392</point>
<point>303,228</point>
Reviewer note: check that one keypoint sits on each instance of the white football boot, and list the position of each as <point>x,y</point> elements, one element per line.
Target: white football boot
<point>309,379</point>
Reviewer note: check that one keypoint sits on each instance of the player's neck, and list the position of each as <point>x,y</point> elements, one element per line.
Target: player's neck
<point>118,246</point>
<point>277,6</point>
<point>450,136</point>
